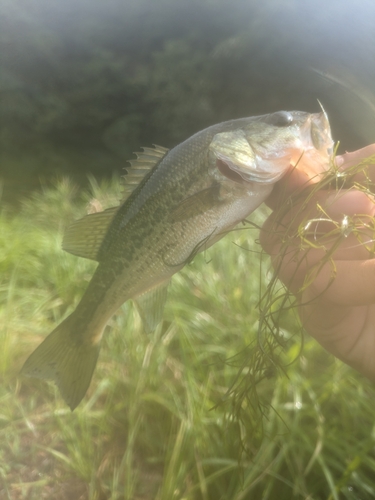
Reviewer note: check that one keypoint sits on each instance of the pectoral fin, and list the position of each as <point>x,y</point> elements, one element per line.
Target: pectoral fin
<point>197,204</point>
<point>150,306</point>
<point>85,236</point>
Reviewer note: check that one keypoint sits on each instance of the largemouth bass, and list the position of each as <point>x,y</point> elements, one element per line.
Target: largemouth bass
<point>178,203</point>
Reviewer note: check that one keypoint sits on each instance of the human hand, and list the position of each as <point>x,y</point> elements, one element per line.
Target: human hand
<point>332,273</point>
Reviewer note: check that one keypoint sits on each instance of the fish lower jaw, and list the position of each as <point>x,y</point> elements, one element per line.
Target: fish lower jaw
<point>312,164</point>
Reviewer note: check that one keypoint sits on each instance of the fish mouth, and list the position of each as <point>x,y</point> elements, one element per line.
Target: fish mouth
<point>317,146</point>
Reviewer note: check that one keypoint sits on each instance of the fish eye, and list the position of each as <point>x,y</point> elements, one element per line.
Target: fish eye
<point>280,119</point>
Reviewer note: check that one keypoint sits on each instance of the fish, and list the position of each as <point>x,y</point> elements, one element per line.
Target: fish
<point>177,203</point>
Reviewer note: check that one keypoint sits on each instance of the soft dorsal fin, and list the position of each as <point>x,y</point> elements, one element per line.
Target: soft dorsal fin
<point>85,236</point>
<point>150,305</point>
<point>145,161</point>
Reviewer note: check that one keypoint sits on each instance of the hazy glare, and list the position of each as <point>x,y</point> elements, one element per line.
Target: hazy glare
<point>84,83</point>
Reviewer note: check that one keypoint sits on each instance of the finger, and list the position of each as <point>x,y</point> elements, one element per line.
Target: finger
<point>351,159</point>
<point>297,265</point>
<point>294,181</point>
<point>365,174</point>
<point>296,246</point>
<point>326,212</point>
<point>348,283</point>
<point>348,202</point>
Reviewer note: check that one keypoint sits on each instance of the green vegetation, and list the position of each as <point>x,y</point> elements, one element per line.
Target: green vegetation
<point>151,426</point>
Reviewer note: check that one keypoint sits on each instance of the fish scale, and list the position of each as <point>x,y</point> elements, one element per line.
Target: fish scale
<point>176,204</point>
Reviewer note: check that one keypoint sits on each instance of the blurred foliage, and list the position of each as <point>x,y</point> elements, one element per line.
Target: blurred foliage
<point>84,84</point>
<point>152,425</point>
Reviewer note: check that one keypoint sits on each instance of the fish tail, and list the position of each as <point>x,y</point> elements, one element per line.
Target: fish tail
<point>67,359</point>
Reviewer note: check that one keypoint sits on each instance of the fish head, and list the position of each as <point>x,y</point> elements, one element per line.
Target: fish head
<point>266,147</point>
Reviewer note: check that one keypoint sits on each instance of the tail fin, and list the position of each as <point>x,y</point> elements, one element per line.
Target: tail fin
<point>67,360</point>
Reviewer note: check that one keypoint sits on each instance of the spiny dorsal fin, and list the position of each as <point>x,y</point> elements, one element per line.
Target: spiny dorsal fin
<point>85,236</point>
<point>150,305</point>
<point>145,161</point>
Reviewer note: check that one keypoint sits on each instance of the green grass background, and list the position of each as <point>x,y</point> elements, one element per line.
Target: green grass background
<point>149,427</point>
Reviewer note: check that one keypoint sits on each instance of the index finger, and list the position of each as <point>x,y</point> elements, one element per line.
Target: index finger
<point>350,159</point>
